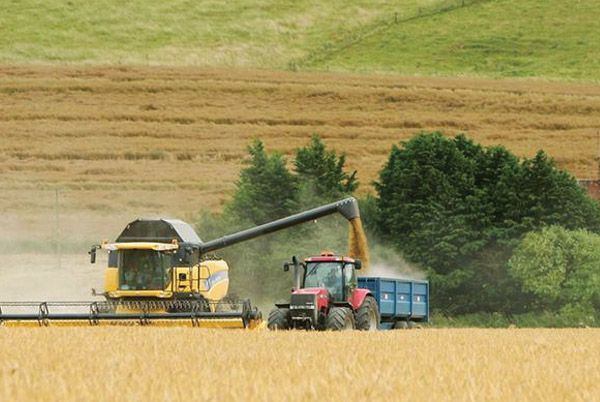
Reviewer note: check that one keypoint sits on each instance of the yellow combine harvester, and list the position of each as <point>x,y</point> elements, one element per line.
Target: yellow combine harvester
<point>160,274</point>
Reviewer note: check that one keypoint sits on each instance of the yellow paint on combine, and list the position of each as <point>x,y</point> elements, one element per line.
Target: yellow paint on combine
<point>358,247</point>
<point>209,278</point>
<point>212,284</point>
<point>111,279</point>
<point>218,273</point>
<point>258,325</point>
<point>164,323</point>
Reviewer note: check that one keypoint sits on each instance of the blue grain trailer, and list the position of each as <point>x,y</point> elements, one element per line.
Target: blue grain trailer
<point>403,303</point>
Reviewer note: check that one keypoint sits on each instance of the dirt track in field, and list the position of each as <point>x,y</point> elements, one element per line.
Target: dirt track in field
<point>123,142</point>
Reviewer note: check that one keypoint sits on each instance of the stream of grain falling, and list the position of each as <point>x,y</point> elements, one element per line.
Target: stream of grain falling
<point>358,247</point>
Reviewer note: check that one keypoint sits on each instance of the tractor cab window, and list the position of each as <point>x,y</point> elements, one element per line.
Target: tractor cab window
<point>144,269</point>
<point>350,276</point>
<point>325,275</point>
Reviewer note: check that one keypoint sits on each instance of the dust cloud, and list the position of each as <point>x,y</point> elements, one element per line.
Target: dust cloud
<point>390,264</point>
<point>380,260</point>
<point>45,277</point>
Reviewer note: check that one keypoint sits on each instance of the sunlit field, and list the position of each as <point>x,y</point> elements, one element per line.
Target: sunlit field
<point>173,364</point>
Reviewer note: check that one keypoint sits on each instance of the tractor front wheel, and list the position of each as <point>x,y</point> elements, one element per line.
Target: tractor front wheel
<point>367,315</point>
<point>279,319</point>
<point>340,319</point>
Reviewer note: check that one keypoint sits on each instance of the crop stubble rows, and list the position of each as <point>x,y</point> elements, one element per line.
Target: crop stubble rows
<point>443,364</point>
<point>120,141</point>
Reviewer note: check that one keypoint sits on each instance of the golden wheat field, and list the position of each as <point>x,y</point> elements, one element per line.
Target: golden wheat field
<point>53,364</point>
<point>120,142</point>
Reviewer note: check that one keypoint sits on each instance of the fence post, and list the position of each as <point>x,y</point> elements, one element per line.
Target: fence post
<point>57,234</point>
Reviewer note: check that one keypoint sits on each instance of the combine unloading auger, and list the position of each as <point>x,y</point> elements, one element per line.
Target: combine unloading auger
<point>159,274</point>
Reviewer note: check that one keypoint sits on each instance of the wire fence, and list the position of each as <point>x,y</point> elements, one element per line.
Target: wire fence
<point>379,25</point>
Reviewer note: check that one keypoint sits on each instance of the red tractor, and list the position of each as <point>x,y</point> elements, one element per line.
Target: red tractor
<point>326,296</point>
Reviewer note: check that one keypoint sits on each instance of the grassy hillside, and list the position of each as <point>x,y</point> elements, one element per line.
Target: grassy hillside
<point>262,33</point>
<point>493,38</point>
<point>498,38</point>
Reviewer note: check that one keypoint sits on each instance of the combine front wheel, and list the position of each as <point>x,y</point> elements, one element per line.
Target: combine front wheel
<point>340,319</point>
<point>279,319</point>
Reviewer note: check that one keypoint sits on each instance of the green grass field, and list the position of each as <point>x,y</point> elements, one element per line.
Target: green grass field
<point>262,33</point>
<point>498,38</point>
<point>491,38</point>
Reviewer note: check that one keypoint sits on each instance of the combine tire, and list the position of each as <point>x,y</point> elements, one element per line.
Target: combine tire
<point>340,319</point>
<point>279,319</point>
<point>367,315</point>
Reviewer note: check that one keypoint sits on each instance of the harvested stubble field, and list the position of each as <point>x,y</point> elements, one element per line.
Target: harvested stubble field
<point>120,142</point>
<point>173,364</point>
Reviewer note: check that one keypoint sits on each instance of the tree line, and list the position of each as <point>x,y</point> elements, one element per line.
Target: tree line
<point>494,233</point>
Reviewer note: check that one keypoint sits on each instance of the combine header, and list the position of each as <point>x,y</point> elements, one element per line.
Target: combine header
<point>142,313</point>
<point>160,274</point>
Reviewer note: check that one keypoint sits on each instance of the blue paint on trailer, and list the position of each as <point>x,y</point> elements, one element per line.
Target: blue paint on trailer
<point>398,299</point>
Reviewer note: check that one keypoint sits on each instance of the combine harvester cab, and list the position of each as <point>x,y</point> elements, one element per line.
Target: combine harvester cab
<point>156,268</point>
<point>161,260</point>
<point>328,295</point>
<point>158,274</point>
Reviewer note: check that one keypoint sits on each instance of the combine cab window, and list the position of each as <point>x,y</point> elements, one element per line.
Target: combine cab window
<point>144,269</point>
<point>325,274</point>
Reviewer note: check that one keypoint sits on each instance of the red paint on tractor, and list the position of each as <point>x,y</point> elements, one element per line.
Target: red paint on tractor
<point>358,297</point>
<point>322,296</point>
<point>329,259</point>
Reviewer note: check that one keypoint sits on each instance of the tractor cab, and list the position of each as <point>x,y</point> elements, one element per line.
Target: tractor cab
<point>326,296</point>
<point>334,273</point>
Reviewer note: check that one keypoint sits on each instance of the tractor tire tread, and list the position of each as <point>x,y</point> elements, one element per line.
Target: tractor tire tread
<point>362,314</point>
<point>279,319</point>
<point>336,319</point>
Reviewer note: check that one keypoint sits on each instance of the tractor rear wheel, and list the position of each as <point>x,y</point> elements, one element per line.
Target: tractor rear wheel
<point>340,319</point>
<point>279,319</point>
<point>367,315</point>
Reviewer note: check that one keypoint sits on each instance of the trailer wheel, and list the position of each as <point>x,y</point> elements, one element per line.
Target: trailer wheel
<point>340,319</point>
<point>367,315</point>
<point>279,319</point>
<point>401,325</point>
<point>414,325</point>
